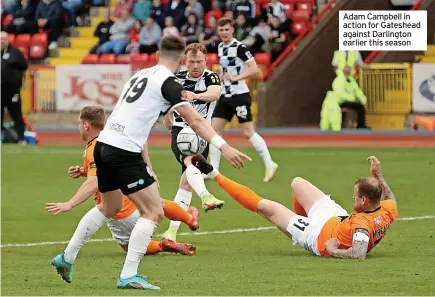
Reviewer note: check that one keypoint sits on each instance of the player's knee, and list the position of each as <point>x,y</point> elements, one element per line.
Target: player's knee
<point>184,184</point>
<point>297,182</point>
<point>188,160</point>
<point>248,132</point>
<point>265,208</point>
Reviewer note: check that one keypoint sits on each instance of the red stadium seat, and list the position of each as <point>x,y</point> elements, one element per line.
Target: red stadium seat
<point>212,59</point>
<point>24,50</point>
<point>309,2</point>
<point>139,61</point>
<point>152,59</point>
<point>289,9</point>
<point>22,40</point>
<point>298,27</point>
<point>91,59</point>
<point>108,59</point>
<point>216,13</point>
<point>37,51</point>
<point>305,6</point>
<point>123,59</point>
<point>7,20</point>
<point>301,16</point>
<point>40,39</point>
<point>11,38</point>
<point>262,59</point>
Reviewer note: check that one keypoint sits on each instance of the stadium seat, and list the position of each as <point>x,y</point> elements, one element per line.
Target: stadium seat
<point>212,59</point>
<point>40,39</point>
<point>7,20</point>
<point>301,16</point>
<point>152,59</point>
<point>91,59</point>
<point>11,38</point>
<point>123,59</point>
<point>108,59</point>
<point>262,59</point>
<point>309,2</point>
<point>22,40</point>
<point>298,27</point>
<point>304,6</point>
<point>139,61</point>
<point>24,50</point>
<point>37,52</point>
<point>289,9</point>
<point>216,13</point>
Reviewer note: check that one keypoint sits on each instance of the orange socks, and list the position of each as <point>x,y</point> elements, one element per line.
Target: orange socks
<point>154,248</point>
<point>175,212</point>
<point>427,122</point>
<point>242,194</point>
<point>298,209</point>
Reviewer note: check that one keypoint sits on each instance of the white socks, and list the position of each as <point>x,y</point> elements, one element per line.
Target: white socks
<point>194,177</point>
<point>182,198</point>
<point>91,222</point>
<point>139,239</point>
<point>261,147</point>
<point>215,156</point>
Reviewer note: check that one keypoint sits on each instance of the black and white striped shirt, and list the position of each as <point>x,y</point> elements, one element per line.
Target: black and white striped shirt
<point>197,85</point>
<point>233,58</point>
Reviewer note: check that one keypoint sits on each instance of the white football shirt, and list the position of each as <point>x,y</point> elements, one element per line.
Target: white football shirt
<point>147,95</point>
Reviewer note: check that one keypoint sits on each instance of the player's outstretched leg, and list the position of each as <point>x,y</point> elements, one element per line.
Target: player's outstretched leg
<point>305,195</point>
<point>91,222</point>
<point>156,247</point>
<point>261,147</point>
<point>183,199</point>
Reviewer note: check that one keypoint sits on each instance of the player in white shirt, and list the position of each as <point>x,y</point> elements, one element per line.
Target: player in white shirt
<point>121,169</point>
<point>203,87</point>
<point>237,64</point>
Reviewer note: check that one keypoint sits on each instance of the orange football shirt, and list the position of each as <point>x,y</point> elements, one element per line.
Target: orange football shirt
<point>91,170</point>
<point>376,223</point>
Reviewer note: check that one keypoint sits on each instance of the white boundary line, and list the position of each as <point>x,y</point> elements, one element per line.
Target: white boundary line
<point>44,243</point>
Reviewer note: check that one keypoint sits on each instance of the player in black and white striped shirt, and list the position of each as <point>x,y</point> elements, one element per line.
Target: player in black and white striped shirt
<point>203,88</point>
<point>237,64</point>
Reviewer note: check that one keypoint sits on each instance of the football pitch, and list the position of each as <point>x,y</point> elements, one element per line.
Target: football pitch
<point>238,251</point>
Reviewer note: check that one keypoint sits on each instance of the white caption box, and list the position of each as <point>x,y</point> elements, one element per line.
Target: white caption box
<point>383,30</point>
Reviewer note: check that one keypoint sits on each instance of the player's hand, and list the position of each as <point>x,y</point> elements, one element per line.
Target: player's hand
<point>230,77</point>
<point>332,244</point>
<point>375,165</point>
<point>188,96</point>
<point>234,156</point>
<point>58,207</point>
<point>167,121</point>
<point>74,171</point>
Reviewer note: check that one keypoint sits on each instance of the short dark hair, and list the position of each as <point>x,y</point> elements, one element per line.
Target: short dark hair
<point>225,21</point>
<point>95,115</point>
<point>172,46</point>
<point>195,48</point>
<point>370,188</point>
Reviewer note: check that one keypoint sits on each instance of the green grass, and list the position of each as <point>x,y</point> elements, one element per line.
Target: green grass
<point>250,263</point>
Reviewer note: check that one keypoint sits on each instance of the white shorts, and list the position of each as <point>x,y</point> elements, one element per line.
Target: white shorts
<point>306,230</point>
<point>121,229</point>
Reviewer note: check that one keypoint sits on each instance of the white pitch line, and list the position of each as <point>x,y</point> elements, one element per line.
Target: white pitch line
<point>243,230</point>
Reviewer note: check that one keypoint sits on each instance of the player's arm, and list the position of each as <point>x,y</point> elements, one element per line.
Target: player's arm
<point>360,244</point>
<point>86,190</point>
<point>375,168</point>
<point>213,92</point>
<point>171,91</point>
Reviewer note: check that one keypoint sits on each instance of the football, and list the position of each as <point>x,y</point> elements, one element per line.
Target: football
<point>189,143</point>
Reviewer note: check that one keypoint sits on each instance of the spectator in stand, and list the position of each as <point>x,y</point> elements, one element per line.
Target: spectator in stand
<point>258,39</point>
<point>210,38</point>
<point>220,5</point>
<point>170,29</point>
<point>157,12</point>
<point>245,7</point>
<point>228,14</point>
<point>206,5</point>
<point>133,46</point>
<point>277,37</point>
<point>276,8</point>
<point>102,31</point>
<point>175,9</point>
<point>71,7</point>
<point>191,30</point>
<point>119,34</point>
<point>142,10</point>
<point>49,16</point>
<point>23,19</point>
<point>241,28</point>
<point>150,36</point>
<point>196,8</point>
<point>121,5</point>
<point>13,65</point>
